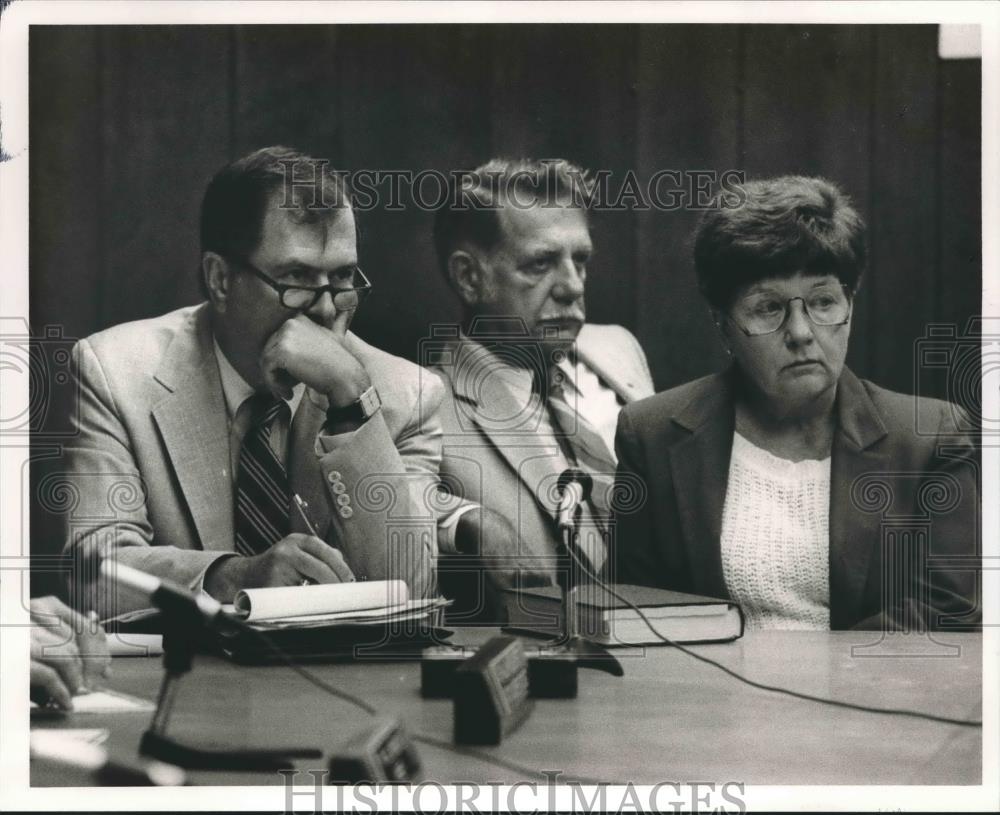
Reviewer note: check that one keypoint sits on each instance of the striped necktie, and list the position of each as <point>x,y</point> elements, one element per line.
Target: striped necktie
<point>584,445</point>
<point>262,499</point>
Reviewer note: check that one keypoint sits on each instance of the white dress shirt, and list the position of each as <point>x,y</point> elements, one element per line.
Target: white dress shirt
<point>598,403</point>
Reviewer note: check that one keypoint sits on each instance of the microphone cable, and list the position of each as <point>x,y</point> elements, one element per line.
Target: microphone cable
<point>360,703</point>
<point>173,599</point>
<point>761,685</point>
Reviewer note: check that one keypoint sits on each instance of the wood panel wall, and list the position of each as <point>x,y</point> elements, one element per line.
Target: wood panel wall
<point>128,123</point>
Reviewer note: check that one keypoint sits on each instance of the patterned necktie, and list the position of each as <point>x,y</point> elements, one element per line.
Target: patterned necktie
<point>262,499</point>
<point>583,444</point>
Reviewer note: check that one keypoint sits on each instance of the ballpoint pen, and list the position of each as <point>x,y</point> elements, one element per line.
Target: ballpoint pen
<point>300,505</point>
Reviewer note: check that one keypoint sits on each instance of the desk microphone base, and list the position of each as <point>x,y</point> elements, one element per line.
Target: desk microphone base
<point>589,655</point>
<point>196,758</point>
<point>178,656</point>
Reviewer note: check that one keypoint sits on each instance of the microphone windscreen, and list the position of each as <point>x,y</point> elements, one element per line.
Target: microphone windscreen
<point>574,475</point>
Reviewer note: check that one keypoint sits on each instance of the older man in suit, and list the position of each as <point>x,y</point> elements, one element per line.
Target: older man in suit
<point>531,388</point>
<point>199,428</point>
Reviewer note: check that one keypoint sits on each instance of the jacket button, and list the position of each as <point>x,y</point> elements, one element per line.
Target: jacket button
<point>333,476</point>
<point>346,512</point>
<point>344,500</point>
<point>339,487</point>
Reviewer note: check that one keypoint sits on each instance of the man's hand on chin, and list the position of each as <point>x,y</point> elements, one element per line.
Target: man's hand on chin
<point>303,351</point>
<point>288,562</point>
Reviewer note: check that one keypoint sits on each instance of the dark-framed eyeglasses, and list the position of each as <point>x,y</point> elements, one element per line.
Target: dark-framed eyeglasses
<point>303,298</point>
<point>759,314</point>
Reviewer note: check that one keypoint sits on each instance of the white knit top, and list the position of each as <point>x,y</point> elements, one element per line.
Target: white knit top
<point>776,538</point>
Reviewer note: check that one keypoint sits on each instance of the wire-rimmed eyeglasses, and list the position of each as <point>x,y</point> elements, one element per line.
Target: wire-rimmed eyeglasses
<point>764,313</point>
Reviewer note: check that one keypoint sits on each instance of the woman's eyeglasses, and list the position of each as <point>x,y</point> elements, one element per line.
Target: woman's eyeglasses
<point>760,314</point>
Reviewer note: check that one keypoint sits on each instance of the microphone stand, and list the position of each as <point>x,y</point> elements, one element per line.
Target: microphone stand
<point>180,624</point>
<point>588,654</point>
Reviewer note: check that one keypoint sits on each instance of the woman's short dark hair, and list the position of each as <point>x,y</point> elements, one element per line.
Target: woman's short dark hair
<point>782,226</point>
<point>237,197</point>
<point>470,215</point>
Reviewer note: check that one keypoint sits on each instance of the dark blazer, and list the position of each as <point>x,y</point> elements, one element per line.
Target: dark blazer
<point>888,482</point>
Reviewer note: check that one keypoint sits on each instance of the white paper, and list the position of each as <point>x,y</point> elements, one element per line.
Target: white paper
<point>104,701</point>
<point>60,736</point>
<point>413,609</point>
<point>281,602</point>
<point>135,645</point>
<point>68,746</point>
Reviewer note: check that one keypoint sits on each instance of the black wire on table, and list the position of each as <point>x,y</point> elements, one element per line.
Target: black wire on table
<point>760,685</point>
<point>326,687</point>
<point>308,675</point>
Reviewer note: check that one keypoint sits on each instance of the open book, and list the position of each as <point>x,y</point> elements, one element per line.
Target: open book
<point>373,602</point>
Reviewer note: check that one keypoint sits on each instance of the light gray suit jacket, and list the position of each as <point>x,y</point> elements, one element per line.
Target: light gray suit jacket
<point>505,466</point>
<point>148,469</point>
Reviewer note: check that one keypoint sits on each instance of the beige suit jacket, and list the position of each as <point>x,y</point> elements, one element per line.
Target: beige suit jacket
<point>506,466</point>
<point>148,469</point>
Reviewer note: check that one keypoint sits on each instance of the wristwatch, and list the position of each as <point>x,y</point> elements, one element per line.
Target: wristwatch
<point>358,412</point>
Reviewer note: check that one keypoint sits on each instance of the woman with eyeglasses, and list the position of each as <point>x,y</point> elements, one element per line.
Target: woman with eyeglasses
<point>786,483</point>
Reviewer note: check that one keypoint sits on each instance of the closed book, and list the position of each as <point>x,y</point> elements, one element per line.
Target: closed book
<point>606,620</point>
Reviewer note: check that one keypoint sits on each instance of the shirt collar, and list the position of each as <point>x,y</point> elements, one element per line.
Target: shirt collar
<point>568,365</point>
<point>236,390</point>
<point>521,380</point>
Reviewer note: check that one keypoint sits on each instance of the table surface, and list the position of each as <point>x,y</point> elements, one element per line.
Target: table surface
<point>669,718</point>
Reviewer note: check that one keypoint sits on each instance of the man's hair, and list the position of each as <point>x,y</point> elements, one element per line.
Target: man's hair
<point>237,198</point>
<point>783,226</point>
<point>471,212</point>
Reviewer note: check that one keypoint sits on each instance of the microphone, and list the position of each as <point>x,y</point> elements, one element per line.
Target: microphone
<point>171,598</point>
<point>575,487</point>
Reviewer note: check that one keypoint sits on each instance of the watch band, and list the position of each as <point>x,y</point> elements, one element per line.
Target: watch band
<point>360,411</point>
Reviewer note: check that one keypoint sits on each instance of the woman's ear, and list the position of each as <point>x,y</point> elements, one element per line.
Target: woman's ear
<point>722,326</point>
<point>466,276</point>
<point>217,275</point>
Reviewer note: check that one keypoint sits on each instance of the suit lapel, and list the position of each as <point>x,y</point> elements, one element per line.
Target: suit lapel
<point>305,478</point>
<point>699,465</point>
<point>854,534</point>
<point>504,421</point>
<point>621,379</point>
<point>700,468</point>
<point>192,422</point>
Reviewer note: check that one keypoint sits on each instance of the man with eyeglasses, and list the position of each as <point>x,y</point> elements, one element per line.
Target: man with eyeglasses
<point>251,432</point>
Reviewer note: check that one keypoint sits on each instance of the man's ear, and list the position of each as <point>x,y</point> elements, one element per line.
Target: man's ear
<point>466,276</point>
<point>217,274</point>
